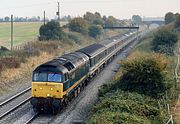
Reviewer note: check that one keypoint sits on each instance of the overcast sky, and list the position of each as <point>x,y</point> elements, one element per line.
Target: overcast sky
<point>118,8</point>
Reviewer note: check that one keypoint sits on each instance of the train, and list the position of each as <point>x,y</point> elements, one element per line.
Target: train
<point>56,82</point>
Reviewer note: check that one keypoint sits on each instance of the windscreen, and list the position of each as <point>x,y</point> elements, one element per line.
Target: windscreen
<point>47,77</point>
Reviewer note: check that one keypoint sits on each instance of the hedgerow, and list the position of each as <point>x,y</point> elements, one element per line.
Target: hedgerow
<point>125,107</point>
<point>132,97</point>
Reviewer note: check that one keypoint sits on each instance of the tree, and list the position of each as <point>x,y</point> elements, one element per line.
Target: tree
<point>98,22</point>
<point>111,22</point>
<point>164,41</point>
<point>177,22</point>
<point>95,30</point>
<point>137,19</point>
<point>169,18</point>
<point>90,17</point>
<point>6,19</point>
<point>51,31</point>
<point>78,25</point>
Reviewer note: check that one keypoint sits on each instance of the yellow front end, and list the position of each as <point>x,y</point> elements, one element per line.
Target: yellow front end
<point>47,90</point>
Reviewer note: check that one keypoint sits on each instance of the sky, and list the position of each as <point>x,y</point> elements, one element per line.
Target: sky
<point>122,9</point>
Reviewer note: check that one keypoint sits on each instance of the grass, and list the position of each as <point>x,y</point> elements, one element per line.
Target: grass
<point>23,32</point>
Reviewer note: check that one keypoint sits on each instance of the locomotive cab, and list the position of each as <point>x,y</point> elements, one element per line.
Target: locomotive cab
<point>47,86</point>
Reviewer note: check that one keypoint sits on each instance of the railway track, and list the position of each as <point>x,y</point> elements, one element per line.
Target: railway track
<point>32,118</point>
<point>14,102</point>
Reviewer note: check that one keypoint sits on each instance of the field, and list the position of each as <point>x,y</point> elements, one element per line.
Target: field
<point>23,32</point>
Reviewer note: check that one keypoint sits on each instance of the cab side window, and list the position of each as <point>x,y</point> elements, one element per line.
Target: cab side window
<point>65,77</point>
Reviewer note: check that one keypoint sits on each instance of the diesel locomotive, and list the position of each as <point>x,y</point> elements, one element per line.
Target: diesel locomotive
<point>56,82</point>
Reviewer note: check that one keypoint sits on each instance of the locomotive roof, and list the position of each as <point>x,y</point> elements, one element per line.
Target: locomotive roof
<point>51,67</point>
<point>92,50</point>
<point>65,63</point>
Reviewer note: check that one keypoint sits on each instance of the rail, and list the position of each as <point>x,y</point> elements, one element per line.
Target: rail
<point>15,96</point>
<point>32,118</point>
<point>14,108</point>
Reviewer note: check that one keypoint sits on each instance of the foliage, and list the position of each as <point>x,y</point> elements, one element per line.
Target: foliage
<point>111,22</point>
<point>145,74</point>
<point>95,30</point>
<point>51,31</point>
<point>164,41</point>
<point>125,107</point>
<point>3,48</point>
<point>169,18</point>
<point>98,22</point>
<point>90,17</point>
<point>177,21</point>
<point>78,25</point>
<point>132,95</point>
<point>13,59</point>
<point>75,38</point>
<point>9,62</point>
<point>137,19</point>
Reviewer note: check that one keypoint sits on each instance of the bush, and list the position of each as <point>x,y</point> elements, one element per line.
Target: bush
<point>164,41</point>
<point>51,31</point>
<point>95,30</point>
<point>3,49</point>
<point>169,18</point>
<point>48,47</point>
<point>9,62</point>
<point>177,22</point>
<point>145,74</point>
<point>78,25</point>
<point>125,107</point>
<point>75,38</point>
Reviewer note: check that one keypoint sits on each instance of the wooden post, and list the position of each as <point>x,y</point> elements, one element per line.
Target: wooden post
<point>11,32</point>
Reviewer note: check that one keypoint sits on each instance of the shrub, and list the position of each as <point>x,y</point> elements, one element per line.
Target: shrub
<point>169,18</point>
<point>145,74</point>
<point>95,30</point>
<point>3,48</point>
<point>48,47</point>
<point>177,21</point>
<point>9,62</point>
<point>164,41</point>
<point>125,107</point>
<point>51,31</point>
<point>75,38</point>
<point>78,25</point>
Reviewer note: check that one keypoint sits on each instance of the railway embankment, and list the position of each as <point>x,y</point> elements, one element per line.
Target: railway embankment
<point>142,91</point>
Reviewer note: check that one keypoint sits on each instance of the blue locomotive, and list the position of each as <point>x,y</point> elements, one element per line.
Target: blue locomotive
<point>56,82</point>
